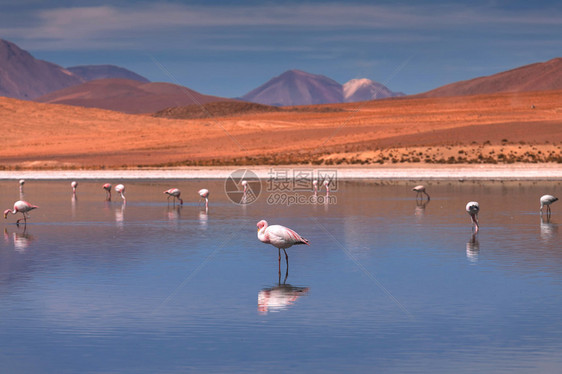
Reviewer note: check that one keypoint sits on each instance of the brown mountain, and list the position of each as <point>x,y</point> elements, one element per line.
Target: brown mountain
<point>22,76</point>
<point>92,72</point>
<point>534,77</point>
<point>295,87</point>
<point>128,96</point>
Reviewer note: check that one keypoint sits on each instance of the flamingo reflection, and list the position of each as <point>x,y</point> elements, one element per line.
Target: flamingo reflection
<point>120,215</point>
<point>549,230</point>
<point>174,212</point>
<point>472,248</point>
<point>419,211</point>
<point>280,296</point>
<point>21,240</point>
<point>203,218</point>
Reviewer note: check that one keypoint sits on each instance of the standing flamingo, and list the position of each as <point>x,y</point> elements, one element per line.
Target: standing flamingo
<point>244,194</point>
<point>22,207</point>
<point>175,193</point>
<point>120,189</point>
<point>107,188</point>
<point>22,182</point>
<point>74,184</point>
<point>279,236</point>
<point>547,200</point>
<point>472,208</point>
<point>327,184</point>
<point>419,191</point>
<point>204,193</point>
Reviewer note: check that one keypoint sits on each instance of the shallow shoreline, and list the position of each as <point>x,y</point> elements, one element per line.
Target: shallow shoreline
<point>548,172</point>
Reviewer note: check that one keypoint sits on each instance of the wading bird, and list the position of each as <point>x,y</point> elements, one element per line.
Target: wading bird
<point>175,193</point>
<point>546,200</point>
<point>280,237</point>
<point>22,207</point>
<point>120,189</point>
<point>107,188</point>
<point>420,190</point>
<point>472,208</point>
<point>74,184</point>
<point>327,185</point>
<point>204,193</point>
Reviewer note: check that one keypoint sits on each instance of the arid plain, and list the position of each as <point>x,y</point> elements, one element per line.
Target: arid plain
<point>496,128</point>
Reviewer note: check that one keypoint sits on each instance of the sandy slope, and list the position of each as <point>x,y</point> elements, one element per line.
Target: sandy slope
<point>429,129</point>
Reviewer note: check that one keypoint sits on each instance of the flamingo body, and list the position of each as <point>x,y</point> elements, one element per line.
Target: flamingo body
<point>74,184</point>
<point>22,207</point>
<point>472,208</point>
<point>175,193</point>
<point>279,236</point>
<point>546,200</point>
<point>107,188</point>
<point>204,193</point>
<point>120,189</point>
<point>420,190</point>
<point>327,185</point>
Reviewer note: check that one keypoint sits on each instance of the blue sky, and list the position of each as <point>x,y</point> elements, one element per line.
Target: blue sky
<point>228,48</point>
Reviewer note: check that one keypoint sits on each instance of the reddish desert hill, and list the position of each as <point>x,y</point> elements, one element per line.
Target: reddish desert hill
<point>22,76</point>
<point>235,108</point>
<point>504,127</point>
<point>128,96</point>
<point>535,77</point>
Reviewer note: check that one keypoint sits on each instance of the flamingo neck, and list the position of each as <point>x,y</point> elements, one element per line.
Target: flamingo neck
<point>262,236</point>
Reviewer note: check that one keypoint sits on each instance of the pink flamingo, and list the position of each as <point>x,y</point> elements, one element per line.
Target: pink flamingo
<point>472,208</point>
<point>419,191</point>
<point>315,185</point>
<point>22,207</point>
<point>174,192</point>
<point>327,184</point>
<point>120,189</point>
<point>74,184</point>
<point>204,193</point>
<point>107,188</point>
<point>279,236</point>
<point>547,200</point>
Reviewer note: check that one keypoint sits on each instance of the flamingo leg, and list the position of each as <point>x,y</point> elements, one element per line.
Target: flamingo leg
<point>279,262</point>
<point>286,258</point>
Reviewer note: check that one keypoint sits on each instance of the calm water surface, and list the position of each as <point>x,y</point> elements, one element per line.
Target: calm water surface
<point>387,285</point>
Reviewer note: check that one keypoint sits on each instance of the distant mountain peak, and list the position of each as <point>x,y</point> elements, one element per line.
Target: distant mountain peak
<point>22,76</point>
<point>364,89</point>
<point>296,87</point>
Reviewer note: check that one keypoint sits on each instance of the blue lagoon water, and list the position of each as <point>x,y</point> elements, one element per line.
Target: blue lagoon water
<point>388,284</point>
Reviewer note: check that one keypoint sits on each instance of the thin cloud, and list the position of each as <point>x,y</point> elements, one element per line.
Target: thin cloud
<point>145,25</point>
